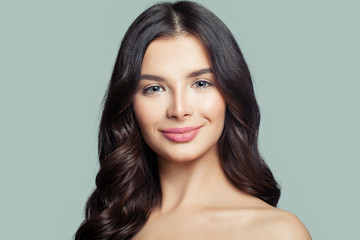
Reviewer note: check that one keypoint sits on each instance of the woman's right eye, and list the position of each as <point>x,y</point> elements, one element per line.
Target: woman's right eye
<point>153,89</point>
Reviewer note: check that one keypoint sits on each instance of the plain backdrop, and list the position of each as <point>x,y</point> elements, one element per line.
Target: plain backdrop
<point>56,58</point>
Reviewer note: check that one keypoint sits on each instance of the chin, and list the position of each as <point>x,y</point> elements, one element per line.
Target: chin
<point>177,157</point>
<point>186,155</point>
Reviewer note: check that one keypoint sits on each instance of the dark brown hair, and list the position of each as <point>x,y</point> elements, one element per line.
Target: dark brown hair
<point>127,185</point>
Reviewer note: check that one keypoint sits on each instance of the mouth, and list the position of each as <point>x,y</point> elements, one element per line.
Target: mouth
<point>181,135</point>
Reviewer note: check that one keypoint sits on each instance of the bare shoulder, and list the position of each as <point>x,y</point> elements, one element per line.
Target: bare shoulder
<point>280,224</point>
<point>256,219</point>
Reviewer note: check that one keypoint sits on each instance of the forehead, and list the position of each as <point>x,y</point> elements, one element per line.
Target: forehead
<point>180,54</point>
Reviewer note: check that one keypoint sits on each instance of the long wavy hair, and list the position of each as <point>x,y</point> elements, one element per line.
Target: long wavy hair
<point>127,184</point>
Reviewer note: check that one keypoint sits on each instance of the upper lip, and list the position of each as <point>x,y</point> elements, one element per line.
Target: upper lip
<point>180,130</point>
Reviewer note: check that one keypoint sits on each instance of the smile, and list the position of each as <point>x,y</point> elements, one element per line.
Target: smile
<point>181,135</point>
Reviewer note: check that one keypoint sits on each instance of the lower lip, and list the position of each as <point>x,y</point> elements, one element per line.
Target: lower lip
<point>182,137</point>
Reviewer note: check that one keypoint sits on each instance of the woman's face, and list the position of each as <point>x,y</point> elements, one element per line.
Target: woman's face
<point>178,107</point>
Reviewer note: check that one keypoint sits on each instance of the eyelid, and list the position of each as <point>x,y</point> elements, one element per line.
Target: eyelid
<point>209,82</point>
<point>146,89</point>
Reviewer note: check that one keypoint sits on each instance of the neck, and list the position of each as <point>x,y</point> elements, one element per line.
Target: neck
<point>197,183</point>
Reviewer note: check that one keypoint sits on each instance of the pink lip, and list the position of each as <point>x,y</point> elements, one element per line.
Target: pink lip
<point>181,135</point>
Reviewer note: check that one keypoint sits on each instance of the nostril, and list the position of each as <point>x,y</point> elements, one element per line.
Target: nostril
<point>180,105</point>
<point>179,111</point>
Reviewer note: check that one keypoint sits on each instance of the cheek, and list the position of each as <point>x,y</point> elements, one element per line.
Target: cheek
<point>214,107</point>
<point>147,113</point>
<point>141,113</point>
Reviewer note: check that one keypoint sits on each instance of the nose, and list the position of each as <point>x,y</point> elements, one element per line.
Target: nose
<point>179,105</point>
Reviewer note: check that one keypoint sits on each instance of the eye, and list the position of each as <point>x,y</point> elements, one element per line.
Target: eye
<point>153,89</point>
<point>202,84</point>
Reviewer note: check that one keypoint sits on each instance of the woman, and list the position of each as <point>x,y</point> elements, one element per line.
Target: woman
<point>178,138</point>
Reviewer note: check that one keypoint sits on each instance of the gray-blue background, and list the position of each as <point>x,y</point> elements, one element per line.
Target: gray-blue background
<point>56,58</point>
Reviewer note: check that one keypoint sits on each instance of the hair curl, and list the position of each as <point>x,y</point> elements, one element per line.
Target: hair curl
<point>127,184</point>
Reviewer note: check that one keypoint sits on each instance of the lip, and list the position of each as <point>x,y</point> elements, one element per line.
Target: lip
<point>181,135</point>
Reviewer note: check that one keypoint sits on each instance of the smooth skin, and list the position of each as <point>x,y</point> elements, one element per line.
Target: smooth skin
<point>177,89</point>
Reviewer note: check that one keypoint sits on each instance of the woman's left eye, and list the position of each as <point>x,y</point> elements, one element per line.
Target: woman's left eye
<point>202,84</point>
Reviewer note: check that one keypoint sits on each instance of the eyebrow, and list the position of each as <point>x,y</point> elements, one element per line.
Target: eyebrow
<point>151,77</point>
<point>190,75</point>
<point>200,72</point>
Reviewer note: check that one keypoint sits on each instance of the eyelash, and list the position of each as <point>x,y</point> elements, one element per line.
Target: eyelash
<point>208,84</point>
<point>150,90</point>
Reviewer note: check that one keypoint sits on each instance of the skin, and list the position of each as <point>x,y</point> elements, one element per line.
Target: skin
<point>198,201</point>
